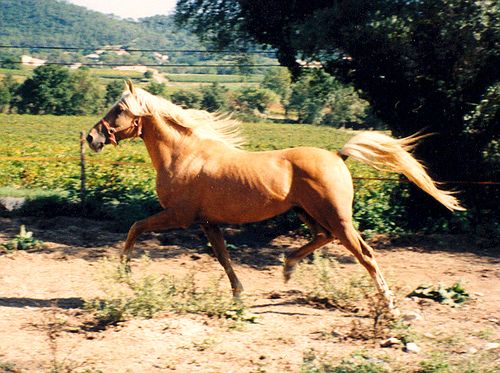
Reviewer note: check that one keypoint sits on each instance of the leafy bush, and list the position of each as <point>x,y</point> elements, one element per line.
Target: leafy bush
<point>377,207</point>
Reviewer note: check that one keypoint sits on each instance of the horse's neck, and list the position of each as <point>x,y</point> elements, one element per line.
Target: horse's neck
<point>164,144</point>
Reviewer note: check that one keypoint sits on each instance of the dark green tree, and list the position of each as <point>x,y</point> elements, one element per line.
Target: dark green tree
<point>54,89</point>
<point>157,89</point>
<point>278,80</point>
<point>214,97</point>
<point>187,98</point>
<point>429,65</point>
<point>86,97</point>
<point>8,87</point>
<point>48,91</point>
<point>114,90</point>
<point>249,99</point>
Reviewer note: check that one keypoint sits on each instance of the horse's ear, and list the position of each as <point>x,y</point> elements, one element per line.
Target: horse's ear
<point>129,86</point>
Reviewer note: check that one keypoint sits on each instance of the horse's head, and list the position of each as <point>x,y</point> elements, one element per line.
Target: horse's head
<point>118,124</point>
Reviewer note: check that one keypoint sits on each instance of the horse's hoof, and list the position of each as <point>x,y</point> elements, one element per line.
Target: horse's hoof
<point>287,272</point>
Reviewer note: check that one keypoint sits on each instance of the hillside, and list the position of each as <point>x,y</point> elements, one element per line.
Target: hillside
<point>52,22</point>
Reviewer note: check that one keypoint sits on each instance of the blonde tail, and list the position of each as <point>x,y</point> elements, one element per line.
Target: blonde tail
<point>386,153</point>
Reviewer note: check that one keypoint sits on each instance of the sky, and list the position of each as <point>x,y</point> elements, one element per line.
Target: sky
<point>129,8</point>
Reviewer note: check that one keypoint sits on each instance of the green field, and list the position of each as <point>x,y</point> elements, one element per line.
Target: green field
<point>105,75</point>
<point>58,137</point>
<point>126,191</point>
<point>212,78</point>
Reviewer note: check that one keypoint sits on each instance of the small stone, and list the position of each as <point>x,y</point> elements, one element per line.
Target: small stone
<point>390,342</point>
<point>472,350</point>
<point>429,335</point>
<point>412,347</point>
<point>412,316</point>
<point>478,294</point>
<point>491,346</point>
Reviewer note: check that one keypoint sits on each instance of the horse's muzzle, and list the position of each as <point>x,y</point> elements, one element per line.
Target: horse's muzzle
<point>96,140</point>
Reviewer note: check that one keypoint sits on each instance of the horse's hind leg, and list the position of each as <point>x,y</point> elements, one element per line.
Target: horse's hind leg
<point>320,238</point>
<point>216,239</point>
<point>351,239</point>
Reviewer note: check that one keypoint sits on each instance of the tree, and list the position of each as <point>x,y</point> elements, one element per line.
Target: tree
<point>422,64</point>
<point>157,89</point>
<point>8,87</point>
<point>86,97</point>
<point>214,97</point>
<point>317,98</point>
<point>48,91</point>
<point>310,95</point>
<point>186,98</point>
<point>114,90</point>
<point>278,80</point>
<point>54,89</point>
<point>249,99</point>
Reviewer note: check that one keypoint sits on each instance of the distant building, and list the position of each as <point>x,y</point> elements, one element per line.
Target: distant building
<point>160,57</point>
<point>93,56</point>
<point>31,61</point>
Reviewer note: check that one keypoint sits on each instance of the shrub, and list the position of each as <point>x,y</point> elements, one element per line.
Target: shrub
<point>377,207</point>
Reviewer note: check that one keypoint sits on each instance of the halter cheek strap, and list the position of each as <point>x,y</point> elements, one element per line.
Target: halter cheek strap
<point>113,130</point>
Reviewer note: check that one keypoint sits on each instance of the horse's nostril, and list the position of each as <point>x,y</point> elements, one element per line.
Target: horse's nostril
<point>90,139</point>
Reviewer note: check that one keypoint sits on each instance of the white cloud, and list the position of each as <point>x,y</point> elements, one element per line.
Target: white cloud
<point>129,8</point>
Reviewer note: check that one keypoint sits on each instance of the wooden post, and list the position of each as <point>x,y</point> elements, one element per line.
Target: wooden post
<point>82,170</point>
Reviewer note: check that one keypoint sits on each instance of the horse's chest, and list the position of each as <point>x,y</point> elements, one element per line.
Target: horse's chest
<point>171,192</point>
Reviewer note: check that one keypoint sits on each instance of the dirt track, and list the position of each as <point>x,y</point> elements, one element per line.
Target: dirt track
<point>41,286</point>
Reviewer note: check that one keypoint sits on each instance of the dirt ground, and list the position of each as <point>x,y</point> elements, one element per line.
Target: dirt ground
<point>52,284</point>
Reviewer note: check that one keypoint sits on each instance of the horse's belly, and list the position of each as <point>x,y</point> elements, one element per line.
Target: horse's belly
<point>243,208</point>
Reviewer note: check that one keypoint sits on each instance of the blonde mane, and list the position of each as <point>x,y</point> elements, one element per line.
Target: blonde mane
<point>201,123</point>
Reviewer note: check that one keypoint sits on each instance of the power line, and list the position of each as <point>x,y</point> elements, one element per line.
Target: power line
<point>146,65</point>
<point>221,51</point>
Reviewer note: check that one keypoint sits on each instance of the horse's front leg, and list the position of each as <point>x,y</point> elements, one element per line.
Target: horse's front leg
<point>216,239</point>
<point>164,220</point>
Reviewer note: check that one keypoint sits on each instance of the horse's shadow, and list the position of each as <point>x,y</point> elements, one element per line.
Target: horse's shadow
<point>22,302</point>
<point>251,244</point>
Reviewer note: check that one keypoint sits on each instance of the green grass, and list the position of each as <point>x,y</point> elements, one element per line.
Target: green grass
<point>127,192</point>
<point>58,137</point>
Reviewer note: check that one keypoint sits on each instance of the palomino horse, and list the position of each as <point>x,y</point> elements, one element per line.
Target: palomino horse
<point>204,177</point>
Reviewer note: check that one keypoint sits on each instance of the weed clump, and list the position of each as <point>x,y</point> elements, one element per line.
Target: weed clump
<point>128,297</point>
<point>23,241</point>
<point>325,284</point>
<point>357,364</point>
<point>453,295</point>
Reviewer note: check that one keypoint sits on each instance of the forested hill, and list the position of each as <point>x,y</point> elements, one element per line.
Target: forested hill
<point>54,22</point>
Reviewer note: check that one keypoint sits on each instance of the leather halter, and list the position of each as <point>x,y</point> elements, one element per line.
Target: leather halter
<point>112,130</point>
